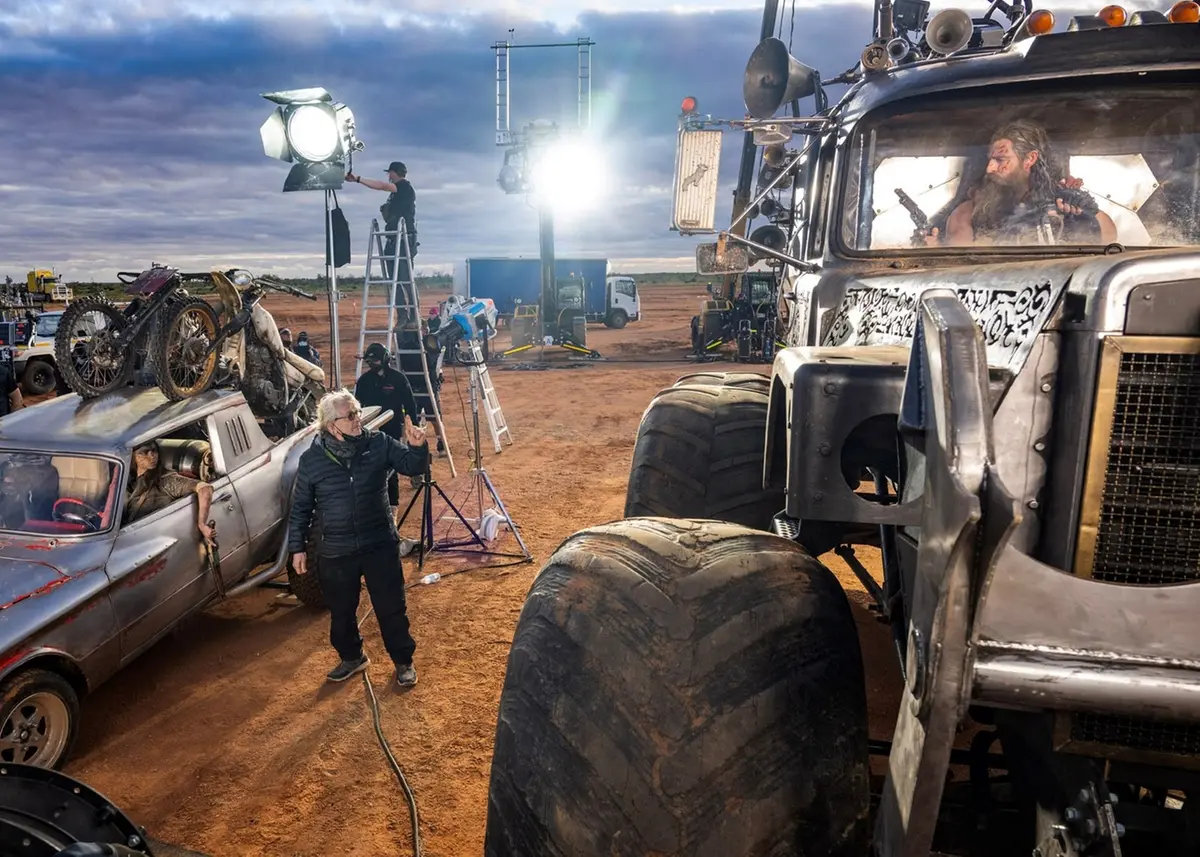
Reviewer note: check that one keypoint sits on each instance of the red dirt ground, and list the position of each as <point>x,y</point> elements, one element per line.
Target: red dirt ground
<point>225,737</point>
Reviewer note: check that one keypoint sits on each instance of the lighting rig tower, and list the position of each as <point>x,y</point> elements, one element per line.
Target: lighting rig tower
<point>317,135</point>
<point>531,151</point>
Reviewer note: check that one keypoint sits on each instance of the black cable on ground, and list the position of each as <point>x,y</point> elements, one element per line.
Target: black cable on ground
<point>395,766</point>
<point>373,702</point>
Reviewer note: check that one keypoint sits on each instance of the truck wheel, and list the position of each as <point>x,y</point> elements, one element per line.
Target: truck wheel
<point>699,453</point>
<point>682,688</point>
<point>742,380</point>
<point>38,378</point>
<point>39,718</point>
<point>617,319</point>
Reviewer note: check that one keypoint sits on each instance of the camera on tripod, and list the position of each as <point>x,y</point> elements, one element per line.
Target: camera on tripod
<point>458,320</point>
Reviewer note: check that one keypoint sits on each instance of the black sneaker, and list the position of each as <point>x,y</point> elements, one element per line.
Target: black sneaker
<point>346,669</point>
<point>406,676</point>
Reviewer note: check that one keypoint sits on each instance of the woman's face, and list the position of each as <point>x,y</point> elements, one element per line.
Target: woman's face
<point>146,459</point>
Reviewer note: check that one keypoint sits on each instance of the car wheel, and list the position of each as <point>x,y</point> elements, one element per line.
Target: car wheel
<point>38,378</point>
<point>307,587</point>
<point>39,717</point>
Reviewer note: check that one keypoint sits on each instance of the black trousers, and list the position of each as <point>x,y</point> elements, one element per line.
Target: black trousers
<point>341,582</point>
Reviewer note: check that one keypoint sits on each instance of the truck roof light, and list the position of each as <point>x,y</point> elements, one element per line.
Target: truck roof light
<point>1184,12</point>
<point>1113,16</point>
<point>1040,22</point>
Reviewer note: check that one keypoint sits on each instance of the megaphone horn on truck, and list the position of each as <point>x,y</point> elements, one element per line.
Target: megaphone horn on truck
<point>773,78</point>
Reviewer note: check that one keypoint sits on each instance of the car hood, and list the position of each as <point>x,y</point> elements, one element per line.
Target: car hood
<point>32,567</point>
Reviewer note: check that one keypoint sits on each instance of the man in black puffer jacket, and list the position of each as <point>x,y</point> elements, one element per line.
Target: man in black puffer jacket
<point>343,477</point>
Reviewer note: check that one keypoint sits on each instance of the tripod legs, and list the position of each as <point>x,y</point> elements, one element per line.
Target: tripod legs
<point>428,544</point>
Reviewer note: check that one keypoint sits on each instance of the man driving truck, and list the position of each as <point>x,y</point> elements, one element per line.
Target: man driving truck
<point>1023,189</point>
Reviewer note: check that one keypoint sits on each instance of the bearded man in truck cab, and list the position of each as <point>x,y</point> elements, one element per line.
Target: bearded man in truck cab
<point>1021,187</point>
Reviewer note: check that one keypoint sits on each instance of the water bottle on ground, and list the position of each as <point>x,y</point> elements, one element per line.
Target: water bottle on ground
<point>431,578</point>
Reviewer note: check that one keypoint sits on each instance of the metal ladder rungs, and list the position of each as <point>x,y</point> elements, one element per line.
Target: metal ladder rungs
<point>392,286</point>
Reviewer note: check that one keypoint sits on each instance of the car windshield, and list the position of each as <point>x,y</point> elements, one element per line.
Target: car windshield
<point>46,494</point>
<point>47,325</point>
<point>987,170</point>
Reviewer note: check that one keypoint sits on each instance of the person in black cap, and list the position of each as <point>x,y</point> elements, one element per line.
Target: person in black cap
<point>401,202</point>
<point>384,386</point>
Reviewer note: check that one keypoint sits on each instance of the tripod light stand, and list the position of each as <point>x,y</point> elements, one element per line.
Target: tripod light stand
<point>480,481</point>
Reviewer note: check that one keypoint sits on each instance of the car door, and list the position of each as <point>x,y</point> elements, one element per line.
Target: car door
<point>160,569</point>
<point>241,450</point>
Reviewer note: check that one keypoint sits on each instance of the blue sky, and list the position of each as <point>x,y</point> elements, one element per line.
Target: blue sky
<point>129,128</point>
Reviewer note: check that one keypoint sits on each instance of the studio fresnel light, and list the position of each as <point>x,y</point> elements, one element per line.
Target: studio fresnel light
<point>313,132</point>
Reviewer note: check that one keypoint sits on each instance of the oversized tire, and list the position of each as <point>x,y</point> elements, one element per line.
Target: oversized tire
<point>307,587</point>
<point>743,380</point>
<point>39,718</point>
<point>38,377</point>
<point>699,453</point>
<point>681,688</point>
<point>175,356</point>
<point>98,367</point>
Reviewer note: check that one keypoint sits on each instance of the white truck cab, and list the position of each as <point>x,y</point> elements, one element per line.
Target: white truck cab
<point>624,303</point>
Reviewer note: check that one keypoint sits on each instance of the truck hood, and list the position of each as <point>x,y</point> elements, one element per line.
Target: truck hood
<point>34,567</point>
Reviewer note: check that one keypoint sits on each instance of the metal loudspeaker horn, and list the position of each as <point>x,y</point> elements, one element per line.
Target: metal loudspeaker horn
<point>773,78</point>
<point>768,235</point>
<point>949,31</point>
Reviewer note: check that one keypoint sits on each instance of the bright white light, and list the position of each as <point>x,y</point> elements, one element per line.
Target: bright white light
<point>570,176</point>
<point>313,133</point>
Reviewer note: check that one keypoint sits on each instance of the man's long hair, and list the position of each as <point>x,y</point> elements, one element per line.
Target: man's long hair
<point>995,201</point>
<point>1030,137</point>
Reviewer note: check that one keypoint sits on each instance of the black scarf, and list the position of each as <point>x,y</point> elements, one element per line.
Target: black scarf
<point>344,449</point>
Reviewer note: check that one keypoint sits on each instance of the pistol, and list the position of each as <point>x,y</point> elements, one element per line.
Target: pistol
<point>914,211</point>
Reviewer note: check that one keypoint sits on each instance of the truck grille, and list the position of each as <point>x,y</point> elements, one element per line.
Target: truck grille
<point>1148,736</point>
<point>1140,519</point>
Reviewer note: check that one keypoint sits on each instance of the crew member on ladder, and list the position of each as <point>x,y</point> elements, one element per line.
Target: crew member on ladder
<point>384,386</point>
<point>401,202</point>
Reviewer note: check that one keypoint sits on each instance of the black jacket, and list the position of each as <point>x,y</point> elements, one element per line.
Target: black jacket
<point>391,391</point>
<point>351,503</point>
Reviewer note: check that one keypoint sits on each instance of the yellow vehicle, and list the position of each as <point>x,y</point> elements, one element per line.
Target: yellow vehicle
<point>45,282</point>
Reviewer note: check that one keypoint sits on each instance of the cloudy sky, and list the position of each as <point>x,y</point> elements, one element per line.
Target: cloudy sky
<point>129,128</point>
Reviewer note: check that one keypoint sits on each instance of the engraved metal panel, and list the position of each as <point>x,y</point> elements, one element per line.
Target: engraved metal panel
<point>1010,318</point>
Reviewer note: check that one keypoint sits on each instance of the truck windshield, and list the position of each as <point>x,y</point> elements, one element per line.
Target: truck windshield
<point>47,325</point>
<point>997,162</point>
<point>45,494</point>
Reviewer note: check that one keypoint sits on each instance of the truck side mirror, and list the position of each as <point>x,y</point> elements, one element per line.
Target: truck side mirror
<point>697,161</point>
<point>735,259</point>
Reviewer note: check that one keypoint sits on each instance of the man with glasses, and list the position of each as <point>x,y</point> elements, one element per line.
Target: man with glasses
<point>342,479</point>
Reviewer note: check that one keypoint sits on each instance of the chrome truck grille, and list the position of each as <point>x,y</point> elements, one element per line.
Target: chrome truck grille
<point>1140,517</point>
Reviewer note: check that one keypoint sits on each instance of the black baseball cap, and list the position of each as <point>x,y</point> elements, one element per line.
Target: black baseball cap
<point>375,351</point>
<point>397,167</point>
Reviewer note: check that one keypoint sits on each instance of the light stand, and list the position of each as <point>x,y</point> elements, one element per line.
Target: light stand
<point>480,480</point>
<point>335,357</point>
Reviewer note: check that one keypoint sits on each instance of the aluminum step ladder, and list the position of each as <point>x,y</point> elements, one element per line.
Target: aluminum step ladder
<point>402,332</point>
<point>491,402</point>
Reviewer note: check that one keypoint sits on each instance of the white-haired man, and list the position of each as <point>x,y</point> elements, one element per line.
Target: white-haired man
<point>342,478</point>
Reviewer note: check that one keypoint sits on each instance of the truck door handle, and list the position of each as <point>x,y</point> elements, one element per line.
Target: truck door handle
<point>226,496</point>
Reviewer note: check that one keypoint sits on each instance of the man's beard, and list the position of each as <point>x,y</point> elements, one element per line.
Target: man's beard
<point>994,201</point>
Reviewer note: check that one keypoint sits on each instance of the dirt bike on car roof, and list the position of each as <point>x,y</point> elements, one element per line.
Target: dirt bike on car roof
<point>186,342</point>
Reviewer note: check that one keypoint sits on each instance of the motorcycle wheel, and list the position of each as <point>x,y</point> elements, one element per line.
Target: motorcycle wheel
<point>92,367</point>
<point>188,326</point>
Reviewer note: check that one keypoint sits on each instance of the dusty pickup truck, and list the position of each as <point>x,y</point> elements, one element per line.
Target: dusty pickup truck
<point>82,591</point>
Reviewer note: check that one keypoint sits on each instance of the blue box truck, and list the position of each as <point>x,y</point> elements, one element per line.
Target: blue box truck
<point>611,299</point>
